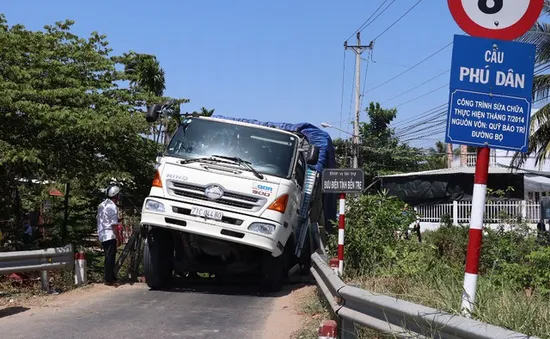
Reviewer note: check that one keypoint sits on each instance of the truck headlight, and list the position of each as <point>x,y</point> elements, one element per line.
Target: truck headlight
<point>153,205</point>
<point>262,228</point>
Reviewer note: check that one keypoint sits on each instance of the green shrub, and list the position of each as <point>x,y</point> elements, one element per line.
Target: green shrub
<point>501,248</point>
<point>448,243</point>
<point>372,225</point>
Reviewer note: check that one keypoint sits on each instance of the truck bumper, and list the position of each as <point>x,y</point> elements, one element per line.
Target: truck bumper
<point>177,217</point>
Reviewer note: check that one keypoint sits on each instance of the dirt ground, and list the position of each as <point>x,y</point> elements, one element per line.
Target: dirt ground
<point>287,316</point>
<point>41,300</point>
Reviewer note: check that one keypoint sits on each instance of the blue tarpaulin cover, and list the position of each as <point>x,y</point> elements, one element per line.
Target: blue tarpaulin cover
<point>315,136</point>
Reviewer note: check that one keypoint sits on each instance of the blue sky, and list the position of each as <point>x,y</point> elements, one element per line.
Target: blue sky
<point>273,60</point>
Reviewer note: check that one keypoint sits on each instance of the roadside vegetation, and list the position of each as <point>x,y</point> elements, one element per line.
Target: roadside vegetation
<point>72,121</point>
<point>514,284</point>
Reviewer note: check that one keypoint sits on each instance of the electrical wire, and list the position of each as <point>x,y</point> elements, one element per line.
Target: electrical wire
<point>396,21</point>
<point>411,68</point>
<point>423,95</point>
<point>367,23</point>
<point>415,87</point>
<point>414,134</point>
<point>365,80</point>
<point>343,90</point>
<point>420,115</point>
<point>410,128</point>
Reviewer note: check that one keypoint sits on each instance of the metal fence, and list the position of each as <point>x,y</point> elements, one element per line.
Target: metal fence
<point>50,259</point>
<point>398,318</point>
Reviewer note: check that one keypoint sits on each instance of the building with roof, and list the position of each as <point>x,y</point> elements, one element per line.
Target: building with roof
<point>446,194</point>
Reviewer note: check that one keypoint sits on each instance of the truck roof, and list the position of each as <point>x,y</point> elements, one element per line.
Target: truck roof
<point>262,126</point>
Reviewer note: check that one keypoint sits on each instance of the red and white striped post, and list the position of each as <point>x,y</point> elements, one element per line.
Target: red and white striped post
<point>328,329</point>
<point>476,229</point>
<point>341,227</point>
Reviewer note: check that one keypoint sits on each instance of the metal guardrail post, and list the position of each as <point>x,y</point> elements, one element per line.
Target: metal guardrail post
<point>348,329</point>
<point>44,280</point>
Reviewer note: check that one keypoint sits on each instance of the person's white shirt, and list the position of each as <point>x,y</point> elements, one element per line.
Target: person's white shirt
<point>107,218</point>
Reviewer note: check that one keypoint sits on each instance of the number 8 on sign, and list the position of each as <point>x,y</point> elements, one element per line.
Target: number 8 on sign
<point>497,19</point>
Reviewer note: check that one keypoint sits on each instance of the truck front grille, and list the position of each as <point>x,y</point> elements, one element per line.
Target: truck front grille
<point>232,199</point>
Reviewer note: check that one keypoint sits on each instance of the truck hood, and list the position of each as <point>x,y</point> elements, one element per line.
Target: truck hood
<point>219,185</point>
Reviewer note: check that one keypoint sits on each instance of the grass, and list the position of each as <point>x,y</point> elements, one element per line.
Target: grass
<point>317,309</point>
<point>315,305</point>
<point>522,311</point>
<point>31,285</point>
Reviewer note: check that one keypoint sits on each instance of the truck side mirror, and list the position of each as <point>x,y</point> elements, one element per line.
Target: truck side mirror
<point>312,155</point>
<point>152,113</point>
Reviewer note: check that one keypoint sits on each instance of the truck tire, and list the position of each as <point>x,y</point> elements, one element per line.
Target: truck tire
<point>275,270</point>
<point>157,258</point>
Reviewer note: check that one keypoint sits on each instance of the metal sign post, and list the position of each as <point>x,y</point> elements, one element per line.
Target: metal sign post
<point>490,98</point>
<point>342,181</point>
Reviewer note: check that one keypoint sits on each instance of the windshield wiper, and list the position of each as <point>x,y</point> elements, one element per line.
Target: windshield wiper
<point>211,158</point>
<point>242,163</point>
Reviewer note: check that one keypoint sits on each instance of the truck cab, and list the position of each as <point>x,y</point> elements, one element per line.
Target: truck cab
<point>227,198</point>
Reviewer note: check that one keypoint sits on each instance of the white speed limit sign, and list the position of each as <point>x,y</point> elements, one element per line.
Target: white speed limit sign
<point>498,19</point>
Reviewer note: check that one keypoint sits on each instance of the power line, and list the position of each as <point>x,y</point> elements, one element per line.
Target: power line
<point>399,19</point>
<point>412,124</point>
<point>365,77</point>
<point>418,86</point>
<point>432,124</point>
<point>412,67</point>
<point>413,135</point>
<point>422,114</point>
<point>343,90</point>
<point>367,23</point>
<point>401,65</point>
<point>421,96</point>
<point>414,127</point>
<point>421,125</point>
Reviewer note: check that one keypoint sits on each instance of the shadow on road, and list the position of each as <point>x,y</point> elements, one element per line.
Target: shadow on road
<point>246,287</point>
<point>6,312</point>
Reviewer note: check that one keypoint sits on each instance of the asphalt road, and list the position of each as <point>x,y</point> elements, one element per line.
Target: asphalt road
<point>197,311</point>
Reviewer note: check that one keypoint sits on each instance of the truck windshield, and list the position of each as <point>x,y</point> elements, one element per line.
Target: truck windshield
<point>269,152</point>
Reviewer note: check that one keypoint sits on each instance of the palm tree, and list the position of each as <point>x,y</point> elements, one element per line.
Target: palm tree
<point>539,140</point>
<point>437,156</point>
<point>146,75</point>
<point>205,112</point>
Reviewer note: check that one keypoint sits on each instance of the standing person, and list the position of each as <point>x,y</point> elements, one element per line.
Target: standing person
<point>541,230</point>
<point>107,221</point>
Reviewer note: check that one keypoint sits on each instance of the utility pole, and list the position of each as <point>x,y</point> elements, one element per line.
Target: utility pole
<point>358,49</point>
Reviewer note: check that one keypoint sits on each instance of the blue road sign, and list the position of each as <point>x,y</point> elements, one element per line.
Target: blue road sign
<point>490,93</point>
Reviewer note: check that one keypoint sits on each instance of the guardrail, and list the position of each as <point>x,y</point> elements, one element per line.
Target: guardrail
<point>50,259</point>
<point>393,316</point>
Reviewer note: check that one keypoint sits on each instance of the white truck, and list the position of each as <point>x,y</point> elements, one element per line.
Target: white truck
<point>235,196</point>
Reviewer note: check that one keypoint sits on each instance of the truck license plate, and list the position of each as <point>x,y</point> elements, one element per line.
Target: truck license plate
<point>206,213</point>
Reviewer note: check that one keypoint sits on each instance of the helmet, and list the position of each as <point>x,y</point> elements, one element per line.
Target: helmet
<point>112,191</point>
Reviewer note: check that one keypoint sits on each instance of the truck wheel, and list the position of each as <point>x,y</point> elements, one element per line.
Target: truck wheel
<point>157,258</point>
<point>275,270</point>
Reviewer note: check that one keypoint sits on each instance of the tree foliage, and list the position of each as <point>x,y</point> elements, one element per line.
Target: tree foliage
<point>539,140</point>
<point>380,150</point>
<point>68,118</point>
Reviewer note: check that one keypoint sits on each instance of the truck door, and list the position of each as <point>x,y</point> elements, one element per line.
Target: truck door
<point>299,180</point>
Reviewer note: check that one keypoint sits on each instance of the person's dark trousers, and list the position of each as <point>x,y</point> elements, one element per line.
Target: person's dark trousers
<point>109,247</point>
